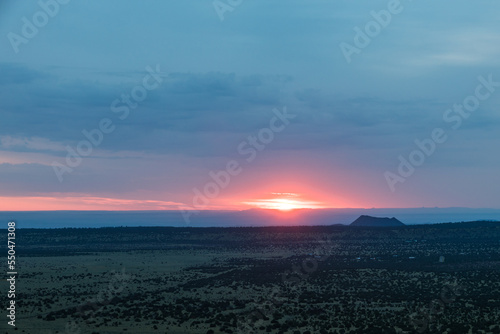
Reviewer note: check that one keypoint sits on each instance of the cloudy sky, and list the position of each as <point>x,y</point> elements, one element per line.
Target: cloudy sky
<point>176,90</point>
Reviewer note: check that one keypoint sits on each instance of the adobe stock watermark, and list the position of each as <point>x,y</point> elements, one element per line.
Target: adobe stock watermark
<point>373,28</point>
<point>95,137</point>
<point>31,26</point>
<point>104,296</point>
<point>248,148</point>
<point>252,321</point>
<point>453,116</point>
<point>223,6</point>
<point>93,306</point>
<point>422,319</point>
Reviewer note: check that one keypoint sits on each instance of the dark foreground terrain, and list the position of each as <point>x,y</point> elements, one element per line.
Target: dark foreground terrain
<point>331,279</point>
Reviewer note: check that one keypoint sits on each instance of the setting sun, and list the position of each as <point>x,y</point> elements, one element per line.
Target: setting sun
<point>284,202</point>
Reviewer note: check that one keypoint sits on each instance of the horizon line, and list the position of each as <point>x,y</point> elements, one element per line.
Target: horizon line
<point>261,209</point>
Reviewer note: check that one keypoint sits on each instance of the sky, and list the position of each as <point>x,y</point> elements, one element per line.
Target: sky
<point>194,105</point>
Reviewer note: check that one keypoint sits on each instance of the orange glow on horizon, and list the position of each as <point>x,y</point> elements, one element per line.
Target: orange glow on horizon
<point>81,203</point>
<point>285,202</point>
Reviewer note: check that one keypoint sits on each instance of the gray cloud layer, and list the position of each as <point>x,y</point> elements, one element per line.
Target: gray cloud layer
<point>221,81</point>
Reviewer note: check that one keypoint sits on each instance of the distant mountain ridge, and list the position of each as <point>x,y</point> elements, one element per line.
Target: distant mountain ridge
<point>256,217</point>
<point>376,222</point>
